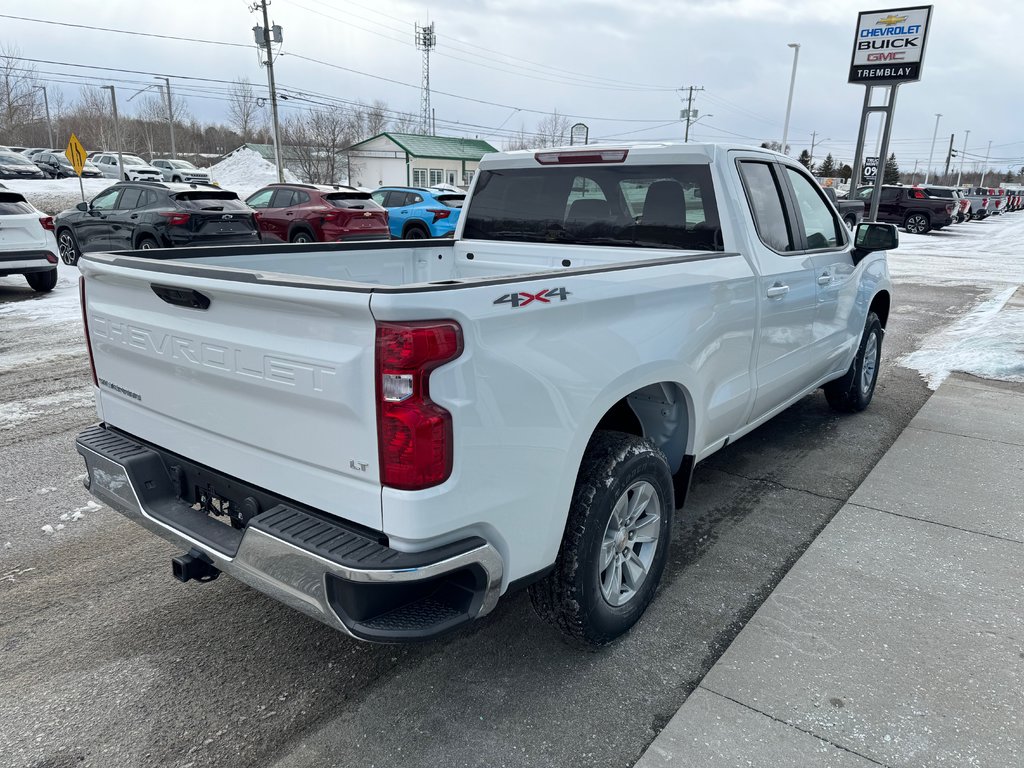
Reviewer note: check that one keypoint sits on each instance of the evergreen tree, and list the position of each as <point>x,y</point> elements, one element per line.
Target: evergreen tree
<point>805,160</point>
<point>827,169</point>
<point>891,174</point>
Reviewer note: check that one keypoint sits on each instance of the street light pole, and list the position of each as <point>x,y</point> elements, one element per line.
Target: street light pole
<point>984,171</point>
<point>789,102</point>
<point>170,115</point>
<point>963,153</point>
<point>49,125</point>
<point>932,153</point>
<point>117,132</point>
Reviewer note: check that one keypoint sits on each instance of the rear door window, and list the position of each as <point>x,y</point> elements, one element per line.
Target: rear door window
<point>129,199</point>
<point>282,198</point>
<point>764,195</point>
<point>299,198</point>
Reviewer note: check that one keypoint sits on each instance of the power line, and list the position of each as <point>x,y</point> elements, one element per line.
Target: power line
<point>124,31</point>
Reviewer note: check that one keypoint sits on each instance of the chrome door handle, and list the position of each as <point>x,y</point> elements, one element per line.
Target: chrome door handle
<point>825,279</point>
<point>777,291</point>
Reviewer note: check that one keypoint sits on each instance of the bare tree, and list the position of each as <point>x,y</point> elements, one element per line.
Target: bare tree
<point>519,140</point>
<point>20,100</point>
<point>243,108</point>
<point>405,122</point>
<point>313,142</point>
<point>552,130</point>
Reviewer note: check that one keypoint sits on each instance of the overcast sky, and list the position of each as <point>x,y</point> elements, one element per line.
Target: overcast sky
<point>613,64</point>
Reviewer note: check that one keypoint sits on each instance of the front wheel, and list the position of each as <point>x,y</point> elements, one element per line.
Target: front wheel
<point>42,282</point>
<point>853,392</point>
<point>67,247</point>
<point>615,544</point>
<point>917,224</point>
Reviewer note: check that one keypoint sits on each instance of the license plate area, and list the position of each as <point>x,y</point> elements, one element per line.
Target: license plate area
<point>215,496</point>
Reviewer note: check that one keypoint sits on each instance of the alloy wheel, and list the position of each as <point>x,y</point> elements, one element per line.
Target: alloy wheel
<point>629,543</point>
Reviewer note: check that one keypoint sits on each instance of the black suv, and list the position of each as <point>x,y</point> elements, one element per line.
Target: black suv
<point>147,214</point>
<point>911,207</point>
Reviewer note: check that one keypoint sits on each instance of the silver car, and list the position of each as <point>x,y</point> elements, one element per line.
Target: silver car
<point>182,170</point>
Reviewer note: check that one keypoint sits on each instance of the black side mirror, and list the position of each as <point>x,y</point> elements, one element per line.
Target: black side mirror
<point>82,206</point>
<point>871,236</point>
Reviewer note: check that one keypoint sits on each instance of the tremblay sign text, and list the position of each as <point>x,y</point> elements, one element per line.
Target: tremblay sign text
<point>889,46</point>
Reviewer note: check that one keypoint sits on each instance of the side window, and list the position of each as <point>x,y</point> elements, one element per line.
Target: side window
<point>105,201</point>
<point>419,177</point>
<point>411,198</point>
<point>299,198</point>
<point>765,198</point>
<point>149,198</point>
<point>282,198</point>
<point>378,197</point>
<point>129,199</point>
<point>396,199</point>
<point>261,199</point>
<point>821,228</point>
<point>890,195</point>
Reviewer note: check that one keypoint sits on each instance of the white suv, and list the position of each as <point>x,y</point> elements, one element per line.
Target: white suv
<point>182,170</point>
<point>135,168</point>
<point>27,244</point>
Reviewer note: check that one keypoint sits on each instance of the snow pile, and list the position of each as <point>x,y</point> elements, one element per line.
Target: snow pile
<point>51,196</point>
<point>988,342</point>
<point>245,171</point>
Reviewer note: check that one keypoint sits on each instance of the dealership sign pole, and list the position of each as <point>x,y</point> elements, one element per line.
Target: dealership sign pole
<point>888,50</point>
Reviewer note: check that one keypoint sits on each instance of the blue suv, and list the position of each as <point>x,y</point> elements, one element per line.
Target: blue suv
<point>416,213</point>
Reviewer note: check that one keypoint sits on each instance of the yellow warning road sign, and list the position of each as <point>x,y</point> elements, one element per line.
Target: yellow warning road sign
<point>75,153</point>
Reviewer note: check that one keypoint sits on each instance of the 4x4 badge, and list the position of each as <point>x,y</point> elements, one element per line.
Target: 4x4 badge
<point>523,298</point>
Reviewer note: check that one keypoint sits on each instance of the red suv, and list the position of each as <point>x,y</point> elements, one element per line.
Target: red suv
<point>307,213</point>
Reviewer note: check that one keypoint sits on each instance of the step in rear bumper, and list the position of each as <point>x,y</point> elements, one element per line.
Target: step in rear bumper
<point>310,561</point>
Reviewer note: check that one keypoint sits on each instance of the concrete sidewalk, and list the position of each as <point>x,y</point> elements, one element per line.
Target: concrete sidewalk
<point>898,638</point>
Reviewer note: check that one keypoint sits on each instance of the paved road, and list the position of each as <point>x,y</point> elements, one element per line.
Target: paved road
<point>108,661</point>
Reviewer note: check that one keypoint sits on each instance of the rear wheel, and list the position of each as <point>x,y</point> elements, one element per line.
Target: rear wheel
<point>43,282</point>
<point>416,232</point>
<point>853,392</point>
<point>301,236</point>
<point>850,220</point>
<point>67,247</point>
<point>917,224</point>
<point>147,244</point>
<point>615,543</point>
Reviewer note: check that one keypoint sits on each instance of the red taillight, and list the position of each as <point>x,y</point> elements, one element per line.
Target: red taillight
<point>175,219</point>
<point>584,156</point>
<point>440,213</point>
<point>413,432</point>
<point>47,222</point>
<point>950,208</point>
<point>85,327</point>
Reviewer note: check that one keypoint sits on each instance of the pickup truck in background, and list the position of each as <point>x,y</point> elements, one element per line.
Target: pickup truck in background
<point>851,211</point>
<point>911,208</point>
<point>389,436</point>
<point>986,202</point>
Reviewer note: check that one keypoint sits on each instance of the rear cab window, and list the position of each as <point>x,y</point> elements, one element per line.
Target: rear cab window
<point>643,206</point>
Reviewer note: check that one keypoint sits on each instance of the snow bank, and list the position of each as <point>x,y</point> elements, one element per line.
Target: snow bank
<point>988,342</point>
<point>51,196</point>
<point>245,171</point>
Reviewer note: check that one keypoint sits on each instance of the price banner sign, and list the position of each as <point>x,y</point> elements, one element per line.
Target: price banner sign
<point>869,171</point>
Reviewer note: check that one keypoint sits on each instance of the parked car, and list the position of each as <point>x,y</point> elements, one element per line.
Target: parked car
<point>181,170</point>
<point>306,213</point>
<point>56,166</point>
<point>27,244</point>
<point>416,213</point>
<point>911,207</point>
<point>14,165</point>
<point>851,211</point>
<point>32,152</point>
<point>963,205</point>
<point>135,168</point>
<point>145,215</point>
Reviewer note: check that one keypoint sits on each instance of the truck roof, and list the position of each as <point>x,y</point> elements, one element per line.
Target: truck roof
<point>660,151</point>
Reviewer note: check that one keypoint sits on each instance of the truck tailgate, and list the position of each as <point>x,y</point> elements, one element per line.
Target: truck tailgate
<point>271,384</point>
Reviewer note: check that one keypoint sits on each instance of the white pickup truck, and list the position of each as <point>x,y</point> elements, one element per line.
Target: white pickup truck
<point>390,436</point>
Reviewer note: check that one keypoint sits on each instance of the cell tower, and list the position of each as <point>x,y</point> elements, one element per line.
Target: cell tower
<point>426,40</point>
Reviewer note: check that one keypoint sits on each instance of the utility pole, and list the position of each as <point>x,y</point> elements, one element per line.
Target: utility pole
<point>689,111</point>
<point>263,41</point>
<point>170,115</point>
<point>949,156</point>
<point>117,132</point>
<point>932,153</point>
<point>814,135</point>
<point>963,154</point>
<point>426,41</point>
<point>49,125</point>
<point>984,171</point>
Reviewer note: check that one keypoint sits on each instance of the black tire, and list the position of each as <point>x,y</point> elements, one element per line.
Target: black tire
<point>176,179</point>
<point>416,232</point>
<point>42,282</point>
<point>67,247</point>
<point>853,392</point>
<point>572,596</point>
<point>147,243</point>
<point>301,236</point>
<point>968,216</point>
<point>851,221</point>
<point>917,224</point>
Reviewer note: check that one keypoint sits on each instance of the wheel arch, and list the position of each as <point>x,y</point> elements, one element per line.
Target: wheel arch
<point>301,226</point>
<point>142,233</point>
<point>880,305</point>
<point>414,223</point>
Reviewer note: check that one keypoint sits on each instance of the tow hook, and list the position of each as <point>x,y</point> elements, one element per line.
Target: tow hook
<point>194,565</point>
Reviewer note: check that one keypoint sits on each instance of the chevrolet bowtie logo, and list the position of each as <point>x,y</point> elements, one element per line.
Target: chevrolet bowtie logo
<point>891,20</point>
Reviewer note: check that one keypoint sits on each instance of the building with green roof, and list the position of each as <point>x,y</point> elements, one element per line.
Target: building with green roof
<point>411,159</point>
